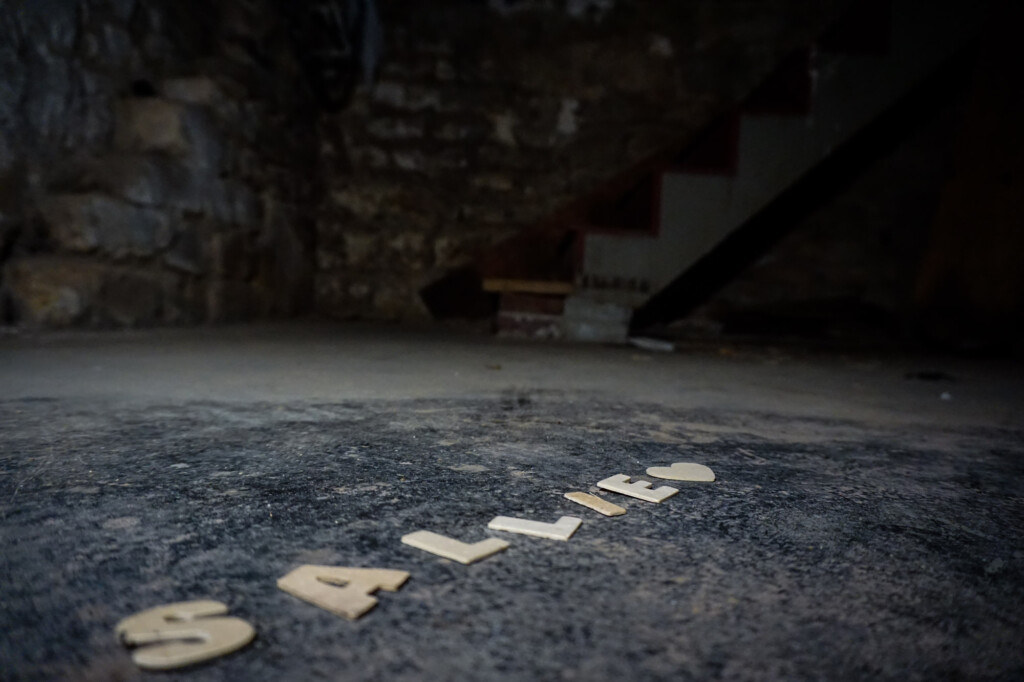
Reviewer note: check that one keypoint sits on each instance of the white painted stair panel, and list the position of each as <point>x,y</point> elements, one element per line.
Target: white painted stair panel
<point>695,210</point>
<point>850,91</point>
<point>608,255</point>
<point>699,210</point>
<point>774,151</point>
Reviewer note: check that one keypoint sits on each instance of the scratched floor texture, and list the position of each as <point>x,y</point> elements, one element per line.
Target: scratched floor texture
<point>824,551</point>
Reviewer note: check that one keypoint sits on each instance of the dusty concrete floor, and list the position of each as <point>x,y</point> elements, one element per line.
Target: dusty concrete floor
<point>861,527</point>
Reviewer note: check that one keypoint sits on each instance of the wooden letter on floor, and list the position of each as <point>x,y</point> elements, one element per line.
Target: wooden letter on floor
<point>453,549</point>
<point>596,503</point>
<point>342,591</point>
<point>619,483</point>
<point>560,530</point>
<point>183,634</point>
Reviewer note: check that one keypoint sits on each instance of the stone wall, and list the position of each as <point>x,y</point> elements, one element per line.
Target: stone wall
<point>163,162</point>
<point>487,116</point>
<point>158,163</point>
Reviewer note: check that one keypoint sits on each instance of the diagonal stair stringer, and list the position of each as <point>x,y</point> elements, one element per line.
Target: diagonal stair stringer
<point>699,210</point>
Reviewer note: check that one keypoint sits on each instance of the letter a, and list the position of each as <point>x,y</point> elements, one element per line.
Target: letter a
<point>342,591</point>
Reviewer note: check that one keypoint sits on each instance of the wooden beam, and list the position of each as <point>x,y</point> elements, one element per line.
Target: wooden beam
<point>529,286</point>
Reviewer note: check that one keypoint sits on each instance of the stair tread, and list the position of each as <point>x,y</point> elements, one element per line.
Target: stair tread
<point>528,286</point>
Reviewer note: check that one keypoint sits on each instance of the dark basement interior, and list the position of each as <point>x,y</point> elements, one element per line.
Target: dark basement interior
<point>287,286</point>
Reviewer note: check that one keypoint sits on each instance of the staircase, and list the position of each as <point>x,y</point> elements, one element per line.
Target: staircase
<point>581,273</point>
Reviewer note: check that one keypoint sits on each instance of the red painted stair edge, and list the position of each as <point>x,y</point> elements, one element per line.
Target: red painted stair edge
<point>863,29</point>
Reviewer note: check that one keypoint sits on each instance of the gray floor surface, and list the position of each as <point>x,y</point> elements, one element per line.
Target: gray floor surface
<point>864,525</point>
